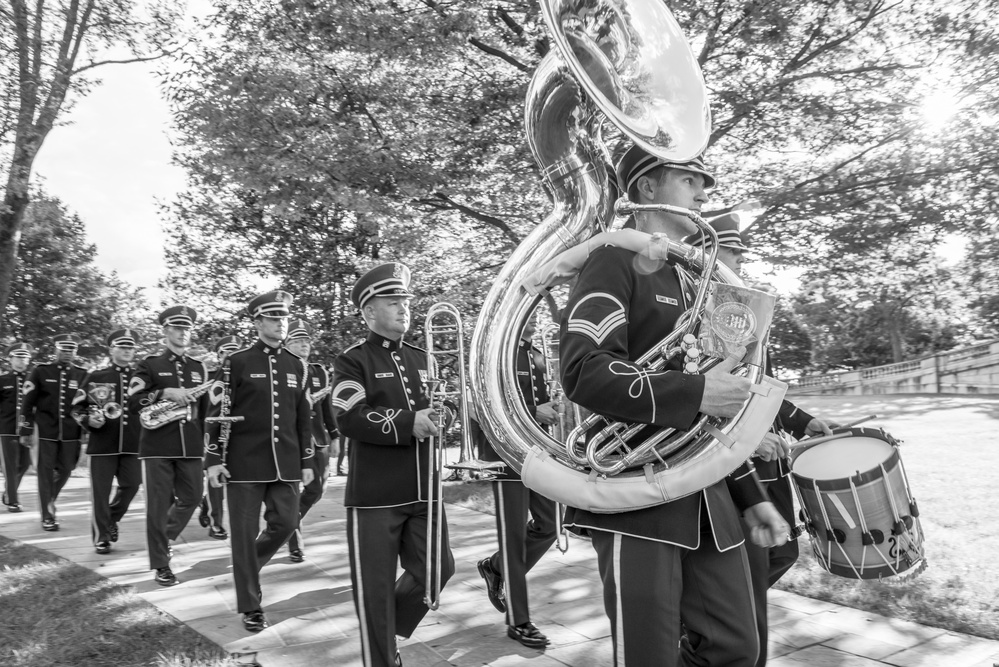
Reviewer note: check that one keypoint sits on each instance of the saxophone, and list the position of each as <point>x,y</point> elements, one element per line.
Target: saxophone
<point>163,412</point>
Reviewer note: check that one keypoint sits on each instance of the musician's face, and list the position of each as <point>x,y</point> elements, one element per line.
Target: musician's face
<point>179,337</point>
<point>65,355</point>
<point>300,346</point>
<point>732,258</point>
<point>19,364</point>
<point>388,316</point>
<point>122,356</point>
<point>272,330</point>
<point>675,187</point>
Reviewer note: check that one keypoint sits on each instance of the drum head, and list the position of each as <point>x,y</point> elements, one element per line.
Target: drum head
<point>841,458</point>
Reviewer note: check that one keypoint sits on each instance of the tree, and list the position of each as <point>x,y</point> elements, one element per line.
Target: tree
<point>58,289</point>
<point>49,55</point>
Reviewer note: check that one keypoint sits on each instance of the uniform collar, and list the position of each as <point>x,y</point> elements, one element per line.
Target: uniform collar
<point>120,369</point>
<point>173,356</point>
<point>267,349</point>
<point>381,341</point>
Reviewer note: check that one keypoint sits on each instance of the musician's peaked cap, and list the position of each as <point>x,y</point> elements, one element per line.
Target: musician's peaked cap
<point>385,280</point>
<point>637,162</point>
<point>22,350</point>
<point>123,338</point>
<point>66,341</point>
<point>299,329</point>
<point>270,304</point>
<point>729,236</point>
<point>228,344</point>
<point>178,316</point>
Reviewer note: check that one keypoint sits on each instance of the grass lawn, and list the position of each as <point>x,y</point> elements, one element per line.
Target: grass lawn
<point>57,613</point>
<point>950,450</point>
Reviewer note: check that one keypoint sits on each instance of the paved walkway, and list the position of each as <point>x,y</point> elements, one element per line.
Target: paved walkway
<point>311,611</point>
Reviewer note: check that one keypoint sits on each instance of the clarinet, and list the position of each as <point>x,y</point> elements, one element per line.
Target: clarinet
<point>224,419</point>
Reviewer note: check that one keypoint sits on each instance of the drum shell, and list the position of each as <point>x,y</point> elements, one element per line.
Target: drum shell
<point>865,525</point>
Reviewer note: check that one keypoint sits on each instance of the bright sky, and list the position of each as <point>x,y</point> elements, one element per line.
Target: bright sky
<point>111,166</point>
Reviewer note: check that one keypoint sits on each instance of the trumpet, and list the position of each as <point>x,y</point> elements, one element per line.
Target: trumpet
<point>110,410</point>
<point>163,412</point>
<point>443,319</point>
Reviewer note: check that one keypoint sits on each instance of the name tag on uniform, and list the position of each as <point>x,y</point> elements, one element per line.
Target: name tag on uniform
<point>380,376</point>
<point>292,380</point>
<point>258,375</point>
<point>51,380</point>
<point>165,375</point>
<point>522,373</point>
<point>665,299</point>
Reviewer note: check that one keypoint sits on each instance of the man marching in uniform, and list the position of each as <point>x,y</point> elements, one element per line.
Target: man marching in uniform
<point>113,446</point>
<point>48,401</point>
<point>522,542</point>
<point>324,434</point>
<point>264,456</point>
<point>681,562</point>
<point>15,458</point>
<point>381,405</point>
<point>172,450</point>
<point>212,503</point>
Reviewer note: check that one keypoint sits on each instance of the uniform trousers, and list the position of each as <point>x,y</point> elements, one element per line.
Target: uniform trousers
<point>651,587</point>
<point>213,503</point>
<point>107,511</point>
<point>766,566</point>
<point>251,547</point>
<point>379,539</point>
<point>15,459</point>
<point>522,543</point>
<point>56,460</point>
<point>311,494</point>
<point>173,489</point>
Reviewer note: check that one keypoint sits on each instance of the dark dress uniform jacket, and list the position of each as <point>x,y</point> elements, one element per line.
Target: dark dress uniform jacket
<point>274,441</point>
<point>48,401</point>
<point>379,385</point>
<point>534,391</point>
<point>181,439</point>
<point>116,436</point>
<point>323,423</point>
<point>622,305</point>
<point>11,394</point>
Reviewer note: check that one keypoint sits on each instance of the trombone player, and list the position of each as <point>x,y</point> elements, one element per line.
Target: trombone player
<point>113,447</point>
<point>381,404</point>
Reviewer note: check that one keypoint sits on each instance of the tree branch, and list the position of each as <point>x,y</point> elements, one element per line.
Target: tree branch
<point>502,55</point>
<point>127,61</point>
<point>441,201</point>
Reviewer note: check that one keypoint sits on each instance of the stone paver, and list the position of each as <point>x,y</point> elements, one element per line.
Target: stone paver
<point>312,616</point>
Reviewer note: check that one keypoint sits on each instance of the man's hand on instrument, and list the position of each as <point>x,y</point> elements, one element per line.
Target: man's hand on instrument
<point>308,474</point>
<point>767,527</point>
<point>177,395</point>
<point>819,427</point>
<point>216,474</point>
<point>546,414</point>
<point>95,420</point>
<point>773,447</point>
<point>725,394</point>
<point>425,424</point>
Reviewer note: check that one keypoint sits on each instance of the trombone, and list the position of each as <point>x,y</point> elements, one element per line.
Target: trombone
<point>444,320</point>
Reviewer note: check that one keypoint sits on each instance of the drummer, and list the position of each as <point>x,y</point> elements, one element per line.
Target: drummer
<point>766,566</point>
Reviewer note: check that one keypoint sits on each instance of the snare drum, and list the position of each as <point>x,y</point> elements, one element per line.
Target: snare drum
<point>856,505</point>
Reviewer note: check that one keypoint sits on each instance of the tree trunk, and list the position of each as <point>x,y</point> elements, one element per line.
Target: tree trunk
<point>15,203</point>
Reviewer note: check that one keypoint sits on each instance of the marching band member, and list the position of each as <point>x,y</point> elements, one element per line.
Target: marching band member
<point>522,542</point>
<point>324,434</point>
<point>681,562</point>
<point>113,446</point>
<point>766,564</point>
<point>263,457</point>
<point>15,457</point>
<point>171,453</point>
<point>211,510</point>
<point>381,405</point>
<point>48,401</point>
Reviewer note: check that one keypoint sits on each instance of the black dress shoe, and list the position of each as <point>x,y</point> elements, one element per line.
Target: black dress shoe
<point>527,634</point>
<point>218,533</point>
<point>50,525</point>
<point>204,519</point>
<point>14,508</point>
<point>166,577</point>
<point>113,531</point>
<point>103,547</point>
<point>254,621</point>
<point>494,584</point>
<point>296,556</point>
